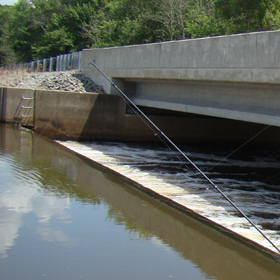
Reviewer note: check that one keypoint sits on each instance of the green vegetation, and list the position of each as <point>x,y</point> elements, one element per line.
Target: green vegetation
<point>34,29</point>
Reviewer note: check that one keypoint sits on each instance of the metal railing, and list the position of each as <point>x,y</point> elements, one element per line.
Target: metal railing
<point>58,63</point>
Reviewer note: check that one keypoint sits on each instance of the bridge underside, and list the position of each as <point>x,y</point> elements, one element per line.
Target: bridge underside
<point>235,80</point>
<point>189,128</point>
<point>248,102</point>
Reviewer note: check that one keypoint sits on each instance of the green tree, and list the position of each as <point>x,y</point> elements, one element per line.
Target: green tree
<point>122,22</point>
<point>172,15</point>
<point>202,20</point>
<point>7,56</point>
<point>68,27</point>
<point>34,29</point>
<point>24,32</point>
<point>246,15</point>
<point>272,16</point>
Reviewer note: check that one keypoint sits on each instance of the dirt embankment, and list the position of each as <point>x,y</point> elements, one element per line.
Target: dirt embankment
<point>73,80</point>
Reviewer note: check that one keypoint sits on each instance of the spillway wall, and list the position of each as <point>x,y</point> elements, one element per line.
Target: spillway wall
<point>91,116</point>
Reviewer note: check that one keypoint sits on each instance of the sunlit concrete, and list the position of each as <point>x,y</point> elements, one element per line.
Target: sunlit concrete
<point>17,106</point>
<point>235,77</point>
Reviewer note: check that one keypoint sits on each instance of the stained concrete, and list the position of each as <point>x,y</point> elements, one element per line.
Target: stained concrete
<point>250,57</point>
<point>91,116</point>
<point>235,77</point>
<point>249,102</point>
<point>18,106</point>
<point>1,102</point>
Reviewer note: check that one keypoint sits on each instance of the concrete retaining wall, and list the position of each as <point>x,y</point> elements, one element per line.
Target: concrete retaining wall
<point>91,116</point>
<point>18,106</point>
<point>83,116</point>
<point>1,104</point>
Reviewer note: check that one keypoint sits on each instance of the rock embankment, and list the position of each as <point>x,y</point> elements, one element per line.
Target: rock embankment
<point>76,82</point>
<point>73,80</point>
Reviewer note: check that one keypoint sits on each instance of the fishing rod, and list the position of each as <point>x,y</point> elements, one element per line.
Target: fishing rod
<point>163,137</point>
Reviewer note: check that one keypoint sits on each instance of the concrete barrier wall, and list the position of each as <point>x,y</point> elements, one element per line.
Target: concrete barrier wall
<point>92,116</point>
<point>1,104</point>
<point>252,57</point>
<point>18,106</point>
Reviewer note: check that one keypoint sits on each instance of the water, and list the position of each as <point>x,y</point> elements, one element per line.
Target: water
<point>64,217</point>
<point>250,178</point>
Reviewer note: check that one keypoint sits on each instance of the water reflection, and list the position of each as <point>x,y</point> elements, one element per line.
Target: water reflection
<point>65,217</point>
<point>158,169</point>
<point>22,185</point>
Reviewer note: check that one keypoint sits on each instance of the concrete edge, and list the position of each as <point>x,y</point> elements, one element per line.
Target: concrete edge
<point>1,104</point>
<point>183,209</point>
<point>192,39</point>
<point>213,112</point>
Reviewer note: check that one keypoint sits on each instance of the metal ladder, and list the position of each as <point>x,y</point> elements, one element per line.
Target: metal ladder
<point>26,107</point>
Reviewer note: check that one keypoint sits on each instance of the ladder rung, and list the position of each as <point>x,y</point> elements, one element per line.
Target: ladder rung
<point>26,107</point>
<point>27,98</point>
<point>26,116</point>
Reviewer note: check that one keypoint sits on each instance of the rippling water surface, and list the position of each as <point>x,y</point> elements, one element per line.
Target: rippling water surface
<point>64,217</point>
<point>249,177</point>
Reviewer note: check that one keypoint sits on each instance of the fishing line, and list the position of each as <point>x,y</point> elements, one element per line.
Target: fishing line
<point>273,176</point>
<point>157,132</point>
<point>147,121</point>
<point>241,146</point>
<point>55,112</point>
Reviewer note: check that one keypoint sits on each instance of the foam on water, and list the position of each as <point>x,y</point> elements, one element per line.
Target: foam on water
<point>158,170</point>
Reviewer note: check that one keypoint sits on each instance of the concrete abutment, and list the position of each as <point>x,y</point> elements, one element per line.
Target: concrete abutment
<point>91,116</point>
<point>235,77</point>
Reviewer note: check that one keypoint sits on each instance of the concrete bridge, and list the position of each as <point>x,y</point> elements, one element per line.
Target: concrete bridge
<point>214,90</point>
<point>233,77</point>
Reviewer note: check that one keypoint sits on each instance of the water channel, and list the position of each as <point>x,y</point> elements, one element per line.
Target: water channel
<point>63,216</point>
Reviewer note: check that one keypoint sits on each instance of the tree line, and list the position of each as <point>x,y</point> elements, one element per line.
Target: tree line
<point>36,29</point>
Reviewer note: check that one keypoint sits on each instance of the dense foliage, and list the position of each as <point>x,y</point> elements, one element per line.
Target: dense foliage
<point>34,29</point>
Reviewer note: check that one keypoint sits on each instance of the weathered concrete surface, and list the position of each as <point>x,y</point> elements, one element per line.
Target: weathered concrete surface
<point>258,103</point>
<point>1,102</point>
<point>92,116</point>
<point>235,77</point>
<point>251,57</point>
<point>16,108</point>
<point>86,117</point>
<point>83,117</point>
<point>61,114</point>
